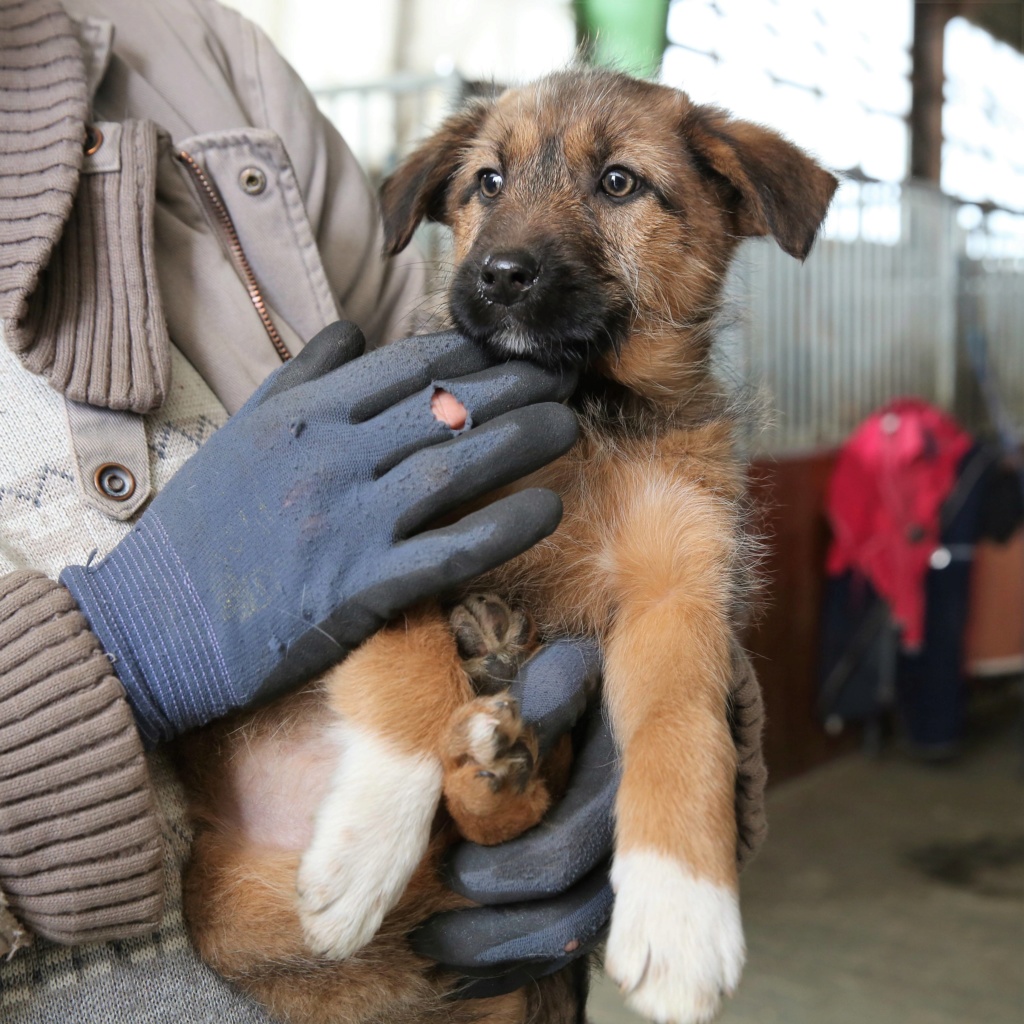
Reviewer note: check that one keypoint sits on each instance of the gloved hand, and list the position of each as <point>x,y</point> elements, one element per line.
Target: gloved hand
<point>294,532</point>
<point>546,894</point>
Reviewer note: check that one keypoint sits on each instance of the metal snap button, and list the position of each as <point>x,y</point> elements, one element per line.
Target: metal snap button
<point>114,481</point>
<point>93,139</point>
<point>252,180</point>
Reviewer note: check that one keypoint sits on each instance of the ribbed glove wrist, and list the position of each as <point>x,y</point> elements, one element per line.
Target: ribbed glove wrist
<point>142,605</point>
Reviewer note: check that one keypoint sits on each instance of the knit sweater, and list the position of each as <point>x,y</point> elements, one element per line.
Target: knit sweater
<point>80,853</point>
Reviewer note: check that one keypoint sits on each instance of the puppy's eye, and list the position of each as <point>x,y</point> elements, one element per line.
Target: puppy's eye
<point>618,183</point>
<point>491,183</point>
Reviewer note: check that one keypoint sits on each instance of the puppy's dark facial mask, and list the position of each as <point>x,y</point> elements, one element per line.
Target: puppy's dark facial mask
<point>536,268</point>
<point>575,201</point>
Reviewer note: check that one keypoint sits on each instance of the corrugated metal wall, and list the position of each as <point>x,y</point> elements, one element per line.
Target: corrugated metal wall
<point>866,318</point>
<point>880,309</point>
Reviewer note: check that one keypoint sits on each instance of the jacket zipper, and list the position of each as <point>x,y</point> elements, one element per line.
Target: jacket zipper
<point>216,207</point>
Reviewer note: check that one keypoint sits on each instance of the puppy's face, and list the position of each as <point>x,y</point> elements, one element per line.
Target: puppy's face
<point>568,209</point>
<point>592,209</point>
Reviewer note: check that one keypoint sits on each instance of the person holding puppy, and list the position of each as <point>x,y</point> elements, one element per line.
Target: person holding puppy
<point>178,219</point>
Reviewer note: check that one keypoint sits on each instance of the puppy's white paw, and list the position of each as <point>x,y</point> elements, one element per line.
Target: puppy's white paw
<point>370,832</point>
<point>676,942</point>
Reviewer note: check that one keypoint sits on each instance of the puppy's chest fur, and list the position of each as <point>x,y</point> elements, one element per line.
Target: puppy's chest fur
<point>626,480</point>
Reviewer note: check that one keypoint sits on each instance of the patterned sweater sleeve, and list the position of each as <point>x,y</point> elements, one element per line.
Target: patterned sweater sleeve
<point>80,846</point>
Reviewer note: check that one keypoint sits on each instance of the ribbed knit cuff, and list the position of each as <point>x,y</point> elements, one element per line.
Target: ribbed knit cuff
<point>102,272</point>
<point>43,106</point>
<point>79,297</point>
<point>142,605</point>
<point>80,847</point>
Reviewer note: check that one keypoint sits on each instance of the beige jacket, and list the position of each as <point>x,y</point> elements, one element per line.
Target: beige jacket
<point>165,179</point>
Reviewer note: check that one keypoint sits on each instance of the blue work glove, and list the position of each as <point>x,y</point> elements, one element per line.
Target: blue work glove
<point>546,895</point>
<point>303,524</point>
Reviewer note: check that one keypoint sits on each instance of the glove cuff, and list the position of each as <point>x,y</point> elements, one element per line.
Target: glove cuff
<point>80,848</point>
<point>747,718</point>
<point>141,604</point>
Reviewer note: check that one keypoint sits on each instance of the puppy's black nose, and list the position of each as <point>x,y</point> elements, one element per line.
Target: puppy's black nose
<point>506,277</point>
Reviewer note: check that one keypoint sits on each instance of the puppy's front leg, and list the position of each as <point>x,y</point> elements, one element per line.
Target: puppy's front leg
<point>391,696</point>
<point>676,941</point>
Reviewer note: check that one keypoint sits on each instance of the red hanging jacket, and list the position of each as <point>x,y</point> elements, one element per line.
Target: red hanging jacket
<point>884,500</point>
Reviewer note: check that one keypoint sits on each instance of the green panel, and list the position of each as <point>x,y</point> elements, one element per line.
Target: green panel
<point>625,34</point>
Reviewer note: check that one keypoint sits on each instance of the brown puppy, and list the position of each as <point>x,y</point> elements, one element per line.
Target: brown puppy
<point>594,217</point>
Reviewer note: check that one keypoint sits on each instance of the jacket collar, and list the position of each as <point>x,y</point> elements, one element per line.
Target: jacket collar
<point>43,106</point>
<point>79,297</point>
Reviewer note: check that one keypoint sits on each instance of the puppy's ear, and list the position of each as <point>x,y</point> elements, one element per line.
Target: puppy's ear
<point>418,187</point>
<point>779,190</point>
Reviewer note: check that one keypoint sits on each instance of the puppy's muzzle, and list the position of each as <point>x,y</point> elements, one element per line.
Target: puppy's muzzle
<point>551,300</point>
<point>507,277</point>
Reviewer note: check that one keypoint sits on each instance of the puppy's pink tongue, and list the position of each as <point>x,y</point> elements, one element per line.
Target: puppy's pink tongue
<point>448,409</point>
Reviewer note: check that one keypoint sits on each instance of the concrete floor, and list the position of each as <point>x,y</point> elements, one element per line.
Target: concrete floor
<point>888,892</point>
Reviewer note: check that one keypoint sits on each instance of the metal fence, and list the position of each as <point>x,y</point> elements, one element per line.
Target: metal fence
<point>379,120</point>
<point>869,316</point>
<point>992,316</point>
<point>881,308</point>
